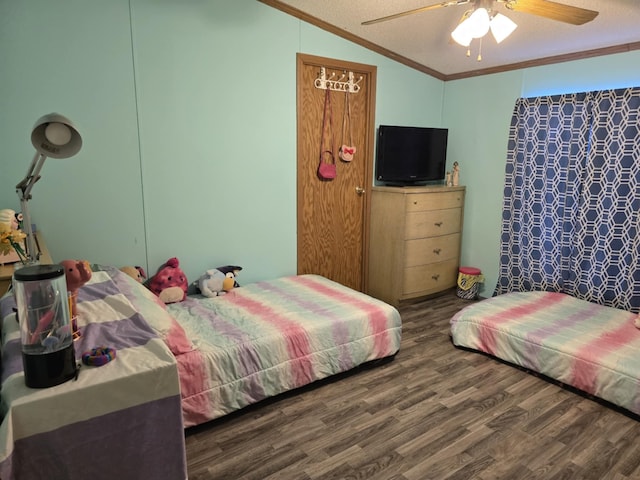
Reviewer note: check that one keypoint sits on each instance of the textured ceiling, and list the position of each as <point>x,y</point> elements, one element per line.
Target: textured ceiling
<point>422,40</point>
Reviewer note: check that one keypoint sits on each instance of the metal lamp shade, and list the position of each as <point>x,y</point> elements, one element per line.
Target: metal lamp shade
<point>65,145</point>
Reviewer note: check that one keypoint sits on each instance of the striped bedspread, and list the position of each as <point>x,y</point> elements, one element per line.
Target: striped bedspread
<point>269,337</point>
<point>120,420</point>
<point>588,346</point>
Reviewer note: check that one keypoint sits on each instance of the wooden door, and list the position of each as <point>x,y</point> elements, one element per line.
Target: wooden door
<point>333,215</point>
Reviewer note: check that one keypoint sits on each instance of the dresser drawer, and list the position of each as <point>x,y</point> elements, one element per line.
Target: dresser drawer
<point>431,249</point>
<point>432,223</point>
<point>432,277</point>
<point>420,202</point>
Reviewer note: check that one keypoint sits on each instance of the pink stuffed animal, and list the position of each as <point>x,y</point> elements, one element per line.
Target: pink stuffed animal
<point>77,273</point>
<point>170,283</point>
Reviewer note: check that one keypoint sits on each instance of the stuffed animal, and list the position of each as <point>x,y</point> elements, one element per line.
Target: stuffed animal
<point>11,218</point>
<point>169,283</point>
<point>218,281</point>
<point>77,273</point>
<point>137,272</point>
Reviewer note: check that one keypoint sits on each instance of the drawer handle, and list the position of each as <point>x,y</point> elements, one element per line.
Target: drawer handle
<point>438,224</point>
<point>437,251</point>
<point>436,276</point>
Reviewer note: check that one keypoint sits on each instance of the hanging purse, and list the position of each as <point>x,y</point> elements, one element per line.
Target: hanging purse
<point>346,152</point>
<point>327,170</point>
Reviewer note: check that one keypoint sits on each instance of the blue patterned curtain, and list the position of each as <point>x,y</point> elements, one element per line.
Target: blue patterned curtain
<point>572,196</point>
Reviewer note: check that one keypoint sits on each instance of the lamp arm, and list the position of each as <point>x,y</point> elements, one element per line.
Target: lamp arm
<point>23,189</point>
<point>33,254</point>
<point>33,175</point>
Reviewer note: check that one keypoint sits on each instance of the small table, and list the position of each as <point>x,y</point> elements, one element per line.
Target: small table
<point>6,271</point>
<point>121,420</point>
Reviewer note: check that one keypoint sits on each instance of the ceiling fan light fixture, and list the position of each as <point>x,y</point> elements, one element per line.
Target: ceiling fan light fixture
<point>502,27</point>
<point>478,23</point>
<point>475,24</point>
<point>461,36</point>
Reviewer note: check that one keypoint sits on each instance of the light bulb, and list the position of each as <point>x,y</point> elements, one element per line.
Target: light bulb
<point>57,133</point>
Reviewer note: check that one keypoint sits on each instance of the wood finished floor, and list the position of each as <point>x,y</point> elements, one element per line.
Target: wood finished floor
<point>434,412</point>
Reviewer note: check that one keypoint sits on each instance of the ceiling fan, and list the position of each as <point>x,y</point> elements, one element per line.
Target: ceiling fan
<point>543,8</point>
<point>477,21</point>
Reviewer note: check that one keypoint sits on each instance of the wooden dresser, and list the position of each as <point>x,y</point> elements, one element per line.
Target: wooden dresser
<point>414,241</point>
<point>6,271</point>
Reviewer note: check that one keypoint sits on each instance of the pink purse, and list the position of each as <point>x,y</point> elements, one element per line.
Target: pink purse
<point>327,170</point>
<point>346,152</point>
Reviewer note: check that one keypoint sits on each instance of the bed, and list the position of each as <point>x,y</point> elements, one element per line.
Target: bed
<point>590,347</point>
<point>177,366</point>
<point>269,337</point>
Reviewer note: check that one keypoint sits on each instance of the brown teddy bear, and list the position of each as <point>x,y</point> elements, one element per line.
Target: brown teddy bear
<point>137,273</point>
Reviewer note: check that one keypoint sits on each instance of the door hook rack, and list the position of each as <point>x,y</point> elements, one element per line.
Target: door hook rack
<point>337,84</point>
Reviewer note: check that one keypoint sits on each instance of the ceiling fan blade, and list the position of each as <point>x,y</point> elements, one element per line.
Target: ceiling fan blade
<point>416,10</point>
<point>553,10</point>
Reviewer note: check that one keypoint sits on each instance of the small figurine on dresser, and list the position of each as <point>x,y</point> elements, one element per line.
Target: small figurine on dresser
<point>456,174</point>
<point>448,181</point>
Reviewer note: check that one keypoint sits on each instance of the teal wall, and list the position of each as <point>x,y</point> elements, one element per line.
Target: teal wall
<point>74,57</point>
<point>477,113</point>
<point>188,115</point>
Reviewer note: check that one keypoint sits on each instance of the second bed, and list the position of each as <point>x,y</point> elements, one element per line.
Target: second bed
<point>591,347</point>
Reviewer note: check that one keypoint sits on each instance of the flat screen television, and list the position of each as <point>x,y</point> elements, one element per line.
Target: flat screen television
<point>410,155</point>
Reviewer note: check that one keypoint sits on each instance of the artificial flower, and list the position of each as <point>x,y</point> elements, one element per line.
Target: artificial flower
<point>11,239</point>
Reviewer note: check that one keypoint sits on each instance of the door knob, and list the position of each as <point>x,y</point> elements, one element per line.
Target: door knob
<point>360,190</point>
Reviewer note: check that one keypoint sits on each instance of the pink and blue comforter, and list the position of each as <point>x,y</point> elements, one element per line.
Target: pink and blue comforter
<point>591,347</point>
<point>269,337</point>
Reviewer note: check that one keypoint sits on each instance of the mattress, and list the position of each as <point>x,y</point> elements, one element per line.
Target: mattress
<point>591,347</point>
<point>269,337</point>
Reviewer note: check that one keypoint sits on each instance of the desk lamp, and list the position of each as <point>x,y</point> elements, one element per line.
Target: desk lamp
<point>53,136</point>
